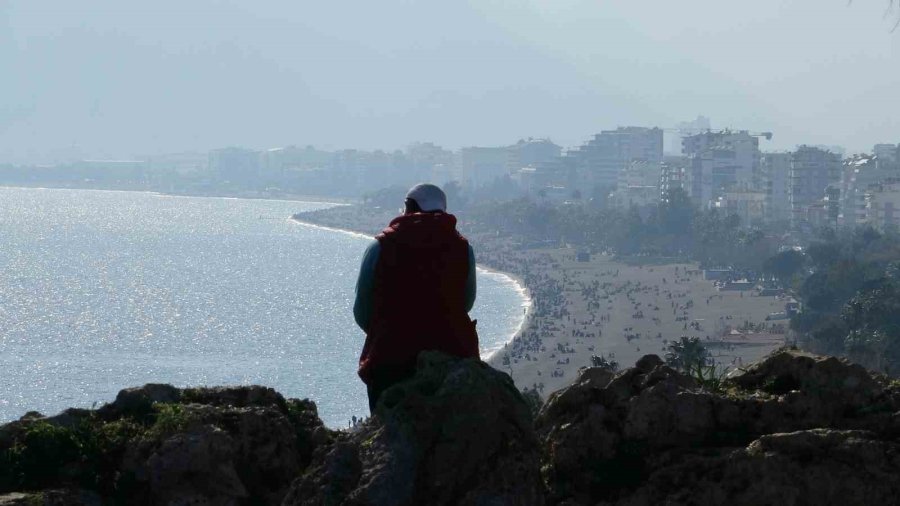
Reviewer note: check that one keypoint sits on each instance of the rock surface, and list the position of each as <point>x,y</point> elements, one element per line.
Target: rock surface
<point>794,429</point>
<point>457,433</point>
<point>157,444</point>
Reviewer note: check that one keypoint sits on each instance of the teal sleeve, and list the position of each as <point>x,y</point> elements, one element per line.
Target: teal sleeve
<point>470,281</point>
<point>362,306</point>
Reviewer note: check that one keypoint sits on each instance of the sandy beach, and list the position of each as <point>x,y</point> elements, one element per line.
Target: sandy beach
<point>602,307</point>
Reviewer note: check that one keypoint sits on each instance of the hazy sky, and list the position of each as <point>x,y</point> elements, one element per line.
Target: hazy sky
<point>122,78</point>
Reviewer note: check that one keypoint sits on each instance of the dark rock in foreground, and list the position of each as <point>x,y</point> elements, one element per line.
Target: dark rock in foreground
<point>457,433</point>
<point>794,429</point>
<point>161,445</point>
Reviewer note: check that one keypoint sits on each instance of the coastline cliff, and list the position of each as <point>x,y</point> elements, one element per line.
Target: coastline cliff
<point>794,429</point>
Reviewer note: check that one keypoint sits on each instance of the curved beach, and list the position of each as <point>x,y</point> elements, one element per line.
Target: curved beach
<point>489,351</point>
<point>579,308</point>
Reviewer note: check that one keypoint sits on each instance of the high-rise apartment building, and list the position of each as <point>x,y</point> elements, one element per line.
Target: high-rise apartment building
<point>531,153</point>
<point>638,185</point>
<point>776,175</point>
<point>812,171</point>
<point>672,175</point>
<point>857,174</point>
<point>535,164</point>
<point>600,161</point>
<point>748,205</point>
<point>721,161</point>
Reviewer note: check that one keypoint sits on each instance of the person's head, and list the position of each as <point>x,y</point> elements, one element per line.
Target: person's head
<point>425,198</point>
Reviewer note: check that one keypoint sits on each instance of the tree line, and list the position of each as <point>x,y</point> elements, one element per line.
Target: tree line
<point>673,229</point>
<point>848,282</point>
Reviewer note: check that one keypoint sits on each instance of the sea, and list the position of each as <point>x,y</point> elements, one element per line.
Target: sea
<point>104,290</point>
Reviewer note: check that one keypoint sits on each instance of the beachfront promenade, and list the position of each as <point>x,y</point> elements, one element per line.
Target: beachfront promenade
<point>603,307</point>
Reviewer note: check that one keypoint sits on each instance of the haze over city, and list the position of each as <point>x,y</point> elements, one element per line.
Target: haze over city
<point>104,80</point>
<point>534,252</point>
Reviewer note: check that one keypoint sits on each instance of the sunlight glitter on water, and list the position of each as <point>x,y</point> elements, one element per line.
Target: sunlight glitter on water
<point>105,290</point>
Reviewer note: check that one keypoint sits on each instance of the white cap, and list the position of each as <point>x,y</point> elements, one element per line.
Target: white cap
<point>428,196</point>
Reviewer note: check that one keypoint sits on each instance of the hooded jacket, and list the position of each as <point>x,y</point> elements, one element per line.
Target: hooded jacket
<point>419,293</point>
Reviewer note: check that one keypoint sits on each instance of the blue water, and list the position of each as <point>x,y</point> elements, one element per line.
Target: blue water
<point>105,290</point>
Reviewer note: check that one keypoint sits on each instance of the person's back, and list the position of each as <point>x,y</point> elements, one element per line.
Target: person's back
<point>415,294</point>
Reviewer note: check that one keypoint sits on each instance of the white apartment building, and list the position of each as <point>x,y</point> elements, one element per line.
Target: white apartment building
<point>637,185</point>
<point>748,205</point>
<point>776,176</point>
<point>672,174</point>
<point>531,153</point>
<point>812,171</point>
<point>640,173</point>
<point>721,161</point>
<point>857,174</point>
<point>600,161</point>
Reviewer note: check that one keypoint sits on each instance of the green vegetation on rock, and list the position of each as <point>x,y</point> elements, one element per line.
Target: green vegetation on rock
<point>816,429</point>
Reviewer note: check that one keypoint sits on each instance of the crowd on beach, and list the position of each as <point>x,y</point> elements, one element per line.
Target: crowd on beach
<point>582,307</point>
<point>597,306</point>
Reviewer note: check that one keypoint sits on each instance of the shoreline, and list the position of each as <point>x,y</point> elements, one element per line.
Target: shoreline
<point>527,305</point>
<point>514,280</point>
<point>347,231</point>
<point>600,306</point>
<point>287,197</point>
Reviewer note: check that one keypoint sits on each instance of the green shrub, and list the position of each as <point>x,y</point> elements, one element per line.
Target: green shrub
<point>86,454</point>
<point>710,376</point>
<point>39,457</point>
<point>169,419</point>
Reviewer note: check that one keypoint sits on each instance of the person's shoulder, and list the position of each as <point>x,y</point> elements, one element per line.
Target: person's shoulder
<point>373,247</point>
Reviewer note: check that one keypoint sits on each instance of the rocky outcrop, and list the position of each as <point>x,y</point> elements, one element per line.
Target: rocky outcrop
<point>794,429</point>
<point>772,434</point>
<point>457,433</point>
<point>812,467</point>
<point>161,445</point>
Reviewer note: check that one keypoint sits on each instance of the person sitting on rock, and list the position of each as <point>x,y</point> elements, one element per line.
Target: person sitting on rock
<point>416,286</point>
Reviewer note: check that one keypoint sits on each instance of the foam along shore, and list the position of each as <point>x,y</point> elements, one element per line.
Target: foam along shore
<point>526,306</point>
<point>332,229</point>
<point>601,306</point>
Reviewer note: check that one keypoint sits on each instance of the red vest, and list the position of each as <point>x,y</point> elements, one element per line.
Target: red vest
<point>419,294</point>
